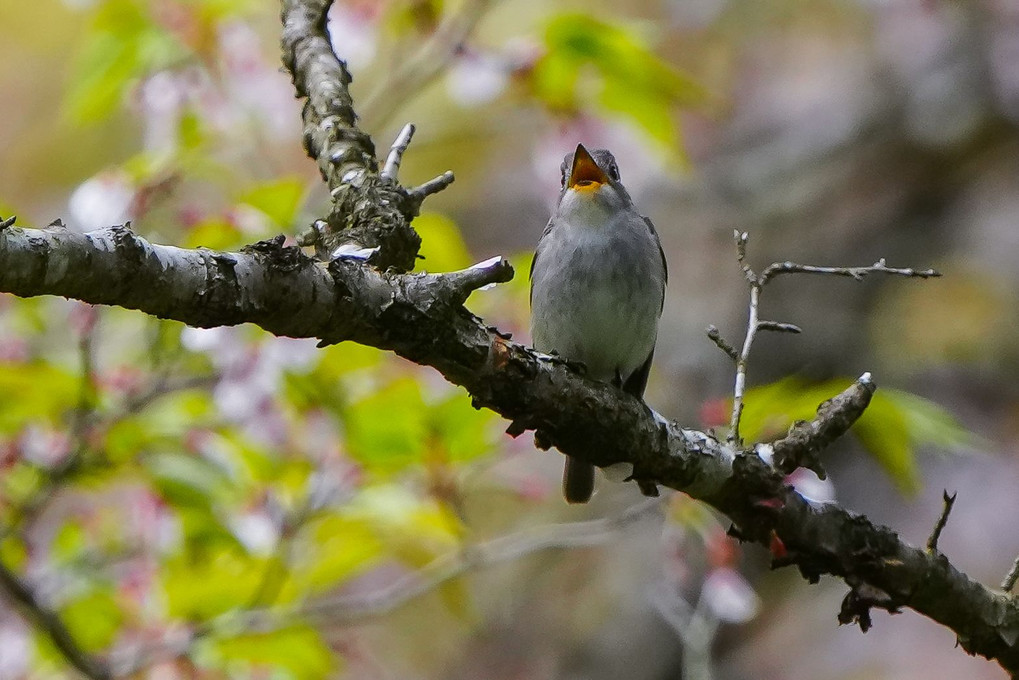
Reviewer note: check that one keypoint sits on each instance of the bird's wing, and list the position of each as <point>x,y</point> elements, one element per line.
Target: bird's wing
<point>537,251</point>
<point>637,381</point>
<point>658,242</point>
<point>665,264</point>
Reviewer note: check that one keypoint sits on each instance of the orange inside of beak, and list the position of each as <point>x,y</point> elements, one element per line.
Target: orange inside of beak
<point>585,173</point>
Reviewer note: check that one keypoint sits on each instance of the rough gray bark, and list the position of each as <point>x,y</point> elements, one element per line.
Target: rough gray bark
<point>422,318</point>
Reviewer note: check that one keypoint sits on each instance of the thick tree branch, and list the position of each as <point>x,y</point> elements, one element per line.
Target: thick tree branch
<point>370,210</point>
<point>420,317</point>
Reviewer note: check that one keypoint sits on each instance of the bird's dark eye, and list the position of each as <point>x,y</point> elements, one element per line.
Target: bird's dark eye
<point>614,172</point>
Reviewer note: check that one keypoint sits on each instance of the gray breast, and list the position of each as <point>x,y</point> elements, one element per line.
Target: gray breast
<point>597,295</point>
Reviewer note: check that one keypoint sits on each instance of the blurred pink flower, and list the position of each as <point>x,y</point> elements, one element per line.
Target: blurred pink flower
<point>477,78</point>
<point>103,200</point>
<point>729,596</point>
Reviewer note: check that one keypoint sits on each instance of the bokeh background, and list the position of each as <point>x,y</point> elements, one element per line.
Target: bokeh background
<point>224,504</point>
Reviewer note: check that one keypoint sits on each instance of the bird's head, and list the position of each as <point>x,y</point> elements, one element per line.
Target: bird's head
<point>590,183</point>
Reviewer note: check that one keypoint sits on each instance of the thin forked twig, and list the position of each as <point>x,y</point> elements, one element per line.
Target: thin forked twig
<point>858,273</point>
<point>432,186</point>
<point>755,324</point>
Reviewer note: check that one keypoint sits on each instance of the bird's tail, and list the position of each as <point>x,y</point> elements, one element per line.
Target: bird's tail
<point>578,480</point>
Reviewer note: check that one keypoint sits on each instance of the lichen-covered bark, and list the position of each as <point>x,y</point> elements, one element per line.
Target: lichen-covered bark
<point>421,317</point>
<point>368,210</point>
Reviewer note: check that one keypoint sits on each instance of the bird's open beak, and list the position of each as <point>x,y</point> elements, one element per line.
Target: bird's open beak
<point>585,173</point>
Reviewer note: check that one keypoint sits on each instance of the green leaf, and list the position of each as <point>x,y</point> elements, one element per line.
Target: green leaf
<point>93,619</point>
<point>297,652</point>
<point>252,460</point>
<point>554,80</point>
<point>337,547</point>
<point>14,552</point>
<point>210,582</point>
<point>279,199</point>
<point>592,62</point>
<point>35,391</point>
<point>927,422</point>
<point>187,480</point>
<point>884,432</point>
<point>465,433</point>
<point>20,482</point>
<point>414,530</point>
<point>122,45</point>
<point>69,541</point>
<point>891,430</point>
<point>203,530</point>
<point>387,430</point>
<point>214,233</point>
<point>108,66</point>
<point>651,111</point>
<point>337,361</point>
<point>126,438</point>
<point>191,131</point>
<point>442,247</point>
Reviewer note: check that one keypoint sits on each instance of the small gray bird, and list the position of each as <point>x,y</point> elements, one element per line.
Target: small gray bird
<point>597,286</point>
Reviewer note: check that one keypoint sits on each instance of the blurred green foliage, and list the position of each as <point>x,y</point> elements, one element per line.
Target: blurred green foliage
<point>593,63</point>
<point>893,429</point>
<point>124,44</point>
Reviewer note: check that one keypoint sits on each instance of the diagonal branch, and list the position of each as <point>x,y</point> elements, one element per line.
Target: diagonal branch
<point>420,318</point>
<point>805,440</point>
<point>418,71</point>
<point>50,624</point>
<point>369,210</point>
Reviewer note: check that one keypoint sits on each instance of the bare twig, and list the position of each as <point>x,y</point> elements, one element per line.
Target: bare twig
<point>1011,577</point>
<point>879,267</point>
<point>741,238</point>
<point>9,222</point>
<point>741,360</point>
<point>350,609</point>
<point>721,343</point>
<point>932,542</point>
<point>432,186</point>
<point>778,327</point>
<point>392,168</point>
<point>49,623</point>
<point>754,324</point>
